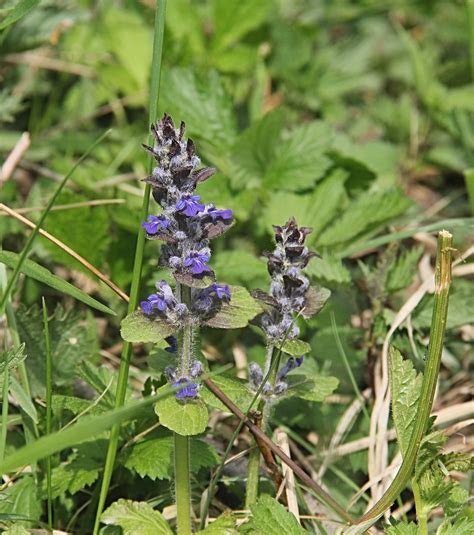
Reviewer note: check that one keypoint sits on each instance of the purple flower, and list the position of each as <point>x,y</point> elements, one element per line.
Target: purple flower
<point>146,307</point>
<point>222,291</point>
<point>173,344</point>
<point>197,263</point>
<point>189,205</point>
<point>190,391</point>
<point>154,223</point>
<point>216,214</point>
<point>291,364</point>
<point>159,300</point>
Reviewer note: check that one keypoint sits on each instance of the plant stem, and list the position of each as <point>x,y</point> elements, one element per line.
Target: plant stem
<point>438,326</point>
<point>253,468</point>
<point>137,265</point>
<point>182,484</point>
<point>420,513</point>
<point>49,401</point>
<point>182,459</point>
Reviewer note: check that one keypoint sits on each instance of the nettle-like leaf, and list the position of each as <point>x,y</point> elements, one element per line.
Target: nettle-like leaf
<point>223,525</point>
<point>22,498</point>
<point>237,313</point>
<point>73,339</point>
<point>403,270</point>
<point>80,470</point>
<point>406,387</point>
<point>402,528</point>
<point>329,269</point>
<point>136,518</point>
<point>463,525</point>
<point>11,359</point>
<point>136,327</point>
<point>235,389</point>
<point>183,417</point>
<point>74,405</point>
<point>315,299</point>
<point>271,518</point>
<point>311,388</point>
<point>296,347</point>
<point>153,458</point>
<point>366,213</point>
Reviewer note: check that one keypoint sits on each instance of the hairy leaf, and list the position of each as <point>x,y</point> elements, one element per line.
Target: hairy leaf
<point>153,458</point>
<point>296,347</point>
<point>182,417</point>
<point>136,518</point>
<point>235,389</point>
<point>136,327</point>
<point>22,498</point>
<point>311,388</point>
<point>406,387</point>
<point>238,312</point>
<point>271,518</point>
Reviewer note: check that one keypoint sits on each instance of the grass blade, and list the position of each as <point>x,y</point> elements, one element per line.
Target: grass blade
<point>26,249</point>
<point>41,274</point>
<point>49,401</point>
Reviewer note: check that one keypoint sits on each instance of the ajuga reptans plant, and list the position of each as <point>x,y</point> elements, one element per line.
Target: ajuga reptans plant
<point>171,317</point>
<point>290,296</point>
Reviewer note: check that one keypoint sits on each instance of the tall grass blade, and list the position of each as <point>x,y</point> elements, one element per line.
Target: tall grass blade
<point>49,402</point>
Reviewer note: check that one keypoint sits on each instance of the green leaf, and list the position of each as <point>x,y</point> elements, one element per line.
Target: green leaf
<point>316,210</point>
<point>235,389</point>
<point>238,312</point>
<point>136,327</point>
<point>21,498</point>
<point>462,526</point>
<point>404,269</point>
<point>460,312</point>
<point>136,518</point>
<point>405,384</point>
<point>73,338</point>
<point>271,518</point>
<point>299,159</point>
<point>183,417</point>
<point>235,18</point>
<point>329,269</point>
<point>81,469</point>
<point>296,347</point>
<point>41,274</point>
<point>23,399</point>
<point>73,404</point>
<point>367,212</point>
<point>402,528</point>
<point>311,388</point>
<point>11,358</point>
<point>22,8</point>
<point>240,267</point>
<point>153,458</point>
<point>205,106</point>
<point>223,525</point>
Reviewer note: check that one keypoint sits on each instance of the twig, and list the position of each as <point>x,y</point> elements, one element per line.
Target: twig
<point>68,250</point>
<point>14,157</point>
<point>258,433</point>
<point>59,207</point>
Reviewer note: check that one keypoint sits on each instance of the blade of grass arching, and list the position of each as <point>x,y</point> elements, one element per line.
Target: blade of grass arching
<point>49,401</point>
<point>449,224</point>
<point>26,249</point>
<point>343,355</point>
<point>82,431</point>
<point>137,265</point>
<point>428,387</point>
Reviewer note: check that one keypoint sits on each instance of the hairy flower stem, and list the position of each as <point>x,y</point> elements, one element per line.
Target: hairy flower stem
<point>137,265</point>
<point>182,458</point>
<point>420,513</point>
<point>253,468</point>
<point>428,388</point>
